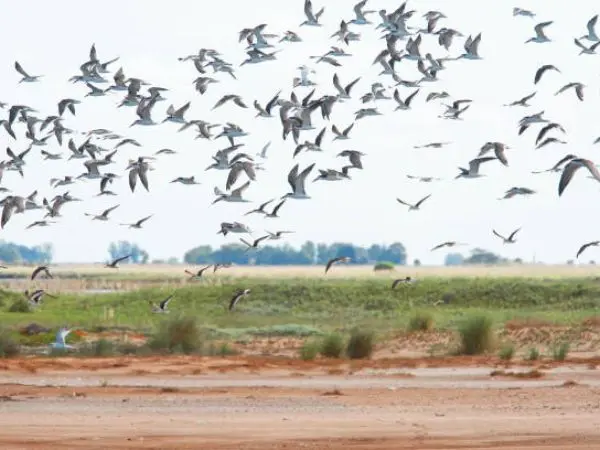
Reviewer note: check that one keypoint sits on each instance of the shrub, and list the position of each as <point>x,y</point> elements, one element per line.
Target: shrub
<point>8,346</point>
<point>534,354</point>
<point>178,335</point>
<point>223,349</point>
<point>103,347</point>
<point>476,335</point>
<point>507,352</point>
<point>309,350</point>
<point>332,346</point>
<point>20,306</point>
<point>560,352</point>
<point>421,321</point>
<point>361,344</point>
<point>383,265</point>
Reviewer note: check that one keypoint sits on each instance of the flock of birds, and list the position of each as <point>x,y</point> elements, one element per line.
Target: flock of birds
<point>403,31</point>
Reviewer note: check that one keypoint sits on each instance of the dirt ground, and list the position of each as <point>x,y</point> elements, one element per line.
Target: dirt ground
<point>260,403</point>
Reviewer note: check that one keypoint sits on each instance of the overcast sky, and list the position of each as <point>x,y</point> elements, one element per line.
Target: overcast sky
<point>149,36</point>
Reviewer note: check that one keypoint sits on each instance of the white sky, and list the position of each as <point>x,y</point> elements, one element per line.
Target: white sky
<point>148,36</point>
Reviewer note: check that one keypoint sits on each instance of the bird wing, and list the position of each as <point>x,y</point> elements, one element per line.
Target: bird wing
<point>122,258</point>
<point>512,235</point>
<point>36,272</point>
<point>242,188</point>
<point>498,234</point>
<point>330,263</point>
<point>567,174</point>
<point>584,246</point>
<point>277,207</point>
<point>19,69</point>
<point>422,200</point>
<point>166,301</point>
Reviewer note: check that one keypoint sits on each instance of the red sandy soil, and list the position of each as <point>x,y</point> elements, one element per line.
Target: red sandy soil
<point>261,403</point>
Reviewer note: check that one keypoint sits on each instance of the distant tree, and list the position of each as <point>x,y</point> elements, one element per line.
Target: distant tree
<point>454,259</point>
<point>417,262</point>
<point>199,255</point>
<point>21,254</point>
<point>308,254</point>
<point>482,256</point>
<point>122,248</point>
<point>395,253</point>
<point>309,251</point>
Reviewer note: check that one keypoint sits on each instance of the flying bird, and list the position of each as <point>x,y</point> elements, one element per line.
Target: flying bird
<point>507,240</point>
<point>161,308</point>
<point>115,263</point>
<point>339,259</point>
<point>416,206</point>
<point>237,296</point>
<point>585,246</point>
<point>39,270</point>
<point>571,167</point>
<point>26,77</point>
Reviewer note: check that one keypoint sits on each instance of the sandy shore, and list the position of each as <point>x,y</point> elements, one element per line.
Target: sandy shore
<point>245,403</point>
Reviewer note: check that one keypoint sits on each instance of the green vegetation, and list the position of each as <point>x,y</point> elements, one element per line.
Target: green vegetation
<point>309,349</point>
<point>361,344</point>
<point>325,310</point>
<point>332,346</point>
<point>507,352</point>
<point>560,351</point>
<point>421,321</point>
<point>476,335</point>
<point>19,254</point>
<point>8,345</point>
<point>533,355</point>
<point>303,307</point>
<point>308,253</point>
<point>179,335</point>
<point>383,266</point>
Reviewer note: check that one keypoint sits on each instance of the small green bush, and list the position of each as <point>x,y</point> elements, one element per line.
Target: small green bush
<point>332,346</point>
<point>383,265</point>
<point>9,347</point>
<point>103,347</point>
<point>223,349</point>
<point>507,352</point>
<point>533,355</point>
<point>20,306</point>
<point>179,335</point>
<point>309,350</point>
<point>476,335</point>
<point>421,321</point>
<point>361,344</point>
<point>560,352</point>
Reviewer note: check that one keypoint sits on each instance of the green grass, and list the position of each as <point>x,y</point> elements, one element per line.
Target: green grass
<point>312,306</point>
<point>476,335</point>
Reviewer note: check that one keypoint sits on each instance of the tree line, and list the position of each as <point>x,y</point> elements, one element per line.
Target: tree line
<point>309,253</point>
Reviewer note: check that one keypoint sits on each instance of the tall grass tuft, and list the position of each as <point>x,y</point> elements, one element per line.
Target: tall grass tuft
<point>20,306</point>
<point>361,344</point>
<point>9,347</point>
<point>507,352</point>
<point>476,335</point>
<point>560,351</point>
<point>309,350</point>
<point>178,335</point>
<point>332,346</point>
<point>421,321</point>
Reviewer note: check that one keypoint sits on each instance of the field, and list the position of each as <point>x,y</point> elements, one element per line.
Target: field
<point>514,348</point>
